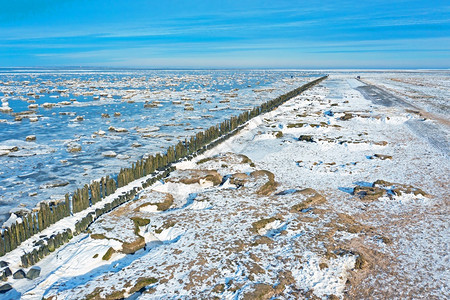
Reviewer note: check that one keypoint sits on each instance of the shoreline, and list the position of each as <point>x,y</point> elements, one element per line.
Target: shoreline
<point>85,200</point>
<point>298,213</point>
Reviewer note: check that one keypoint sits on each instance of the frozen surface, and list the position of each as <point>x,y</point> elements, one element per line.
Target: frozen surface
<point>82,125</point>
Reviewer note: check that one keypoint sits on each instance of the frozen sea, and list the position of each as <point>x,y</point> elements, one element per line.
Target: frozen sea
<point>90,123</point>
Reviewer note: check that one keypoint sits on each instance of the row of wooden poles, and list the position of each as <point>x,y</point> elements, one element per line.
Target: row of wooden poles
<point>49,212</point>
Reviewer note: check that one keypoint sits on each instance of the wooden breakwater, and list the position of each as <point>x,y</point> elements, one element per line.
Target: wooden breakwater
<point>157,166</point>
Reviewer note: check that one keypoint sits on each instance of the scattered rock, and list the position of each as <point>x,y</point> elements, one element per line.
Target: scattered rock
<point>134,246</point>
<point>239,179</point>
<point>360,261</point>
<point>346,117</point>
<point>160,206</point>
<point>262,240</point>
<point>219,288</point>
<point>33,273</point>
<point>141,283</point>
<point>399,189</point>
<point>296,125</point>
<point>19,274</point>
<point>306,138</point>
<point>108,253</point>
<point>270,186</point>
<point>5,288</point>
<point>258,226</point>
<point>259,291</point>
<point>7,272</point>
<point>313,199</point>
<point>382,156</point>
<point>196,176</point>
<point>30,138</point>
<point>368,193</point>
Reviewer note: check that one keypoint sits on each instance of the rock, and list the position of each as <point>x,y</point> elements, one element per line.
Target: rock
<point>259,291</point>
<point>189,176</point>
<point>19,274</point>
<point>134,246</point>
<point>306,138</point>
<point>382,156</point>
<point>269,186</point>
<point>262,240</point>
<point>30,138</point>
<point>7,272</point>
<point>167,201</point>
<point>33,273</point>
<point>136,145</point>
<point>368,193</point>
<point>79,118</point>
<point>105,115</point>
<point>261,224</point>
<point>108,254</point>
<point>313,199</point>
<point>3,264</point>
<point>346,116</point>
<point>5,288</point>
<point>117,114</point>
<point>398,189</point>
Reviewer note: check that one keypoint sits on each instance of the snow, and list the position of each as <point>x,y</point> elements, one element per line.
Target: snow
<point>205,238</point>
<point>327,281</point>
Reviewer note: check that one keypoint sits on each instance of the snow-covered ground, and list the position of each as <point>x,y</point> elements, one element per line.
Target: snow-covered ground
<point>327,196</point>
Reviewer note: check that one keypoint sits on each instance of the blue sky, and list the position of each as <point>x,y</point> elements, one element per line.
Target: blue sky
<point>225,34</point>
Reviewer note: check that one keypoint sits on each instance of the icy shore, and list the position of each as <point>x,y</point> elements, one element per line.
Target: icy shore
<point>330,195</point>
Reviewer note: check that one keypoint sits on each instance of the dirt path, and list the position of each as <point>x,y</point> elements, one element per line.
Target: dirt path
<point>431,128</point>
